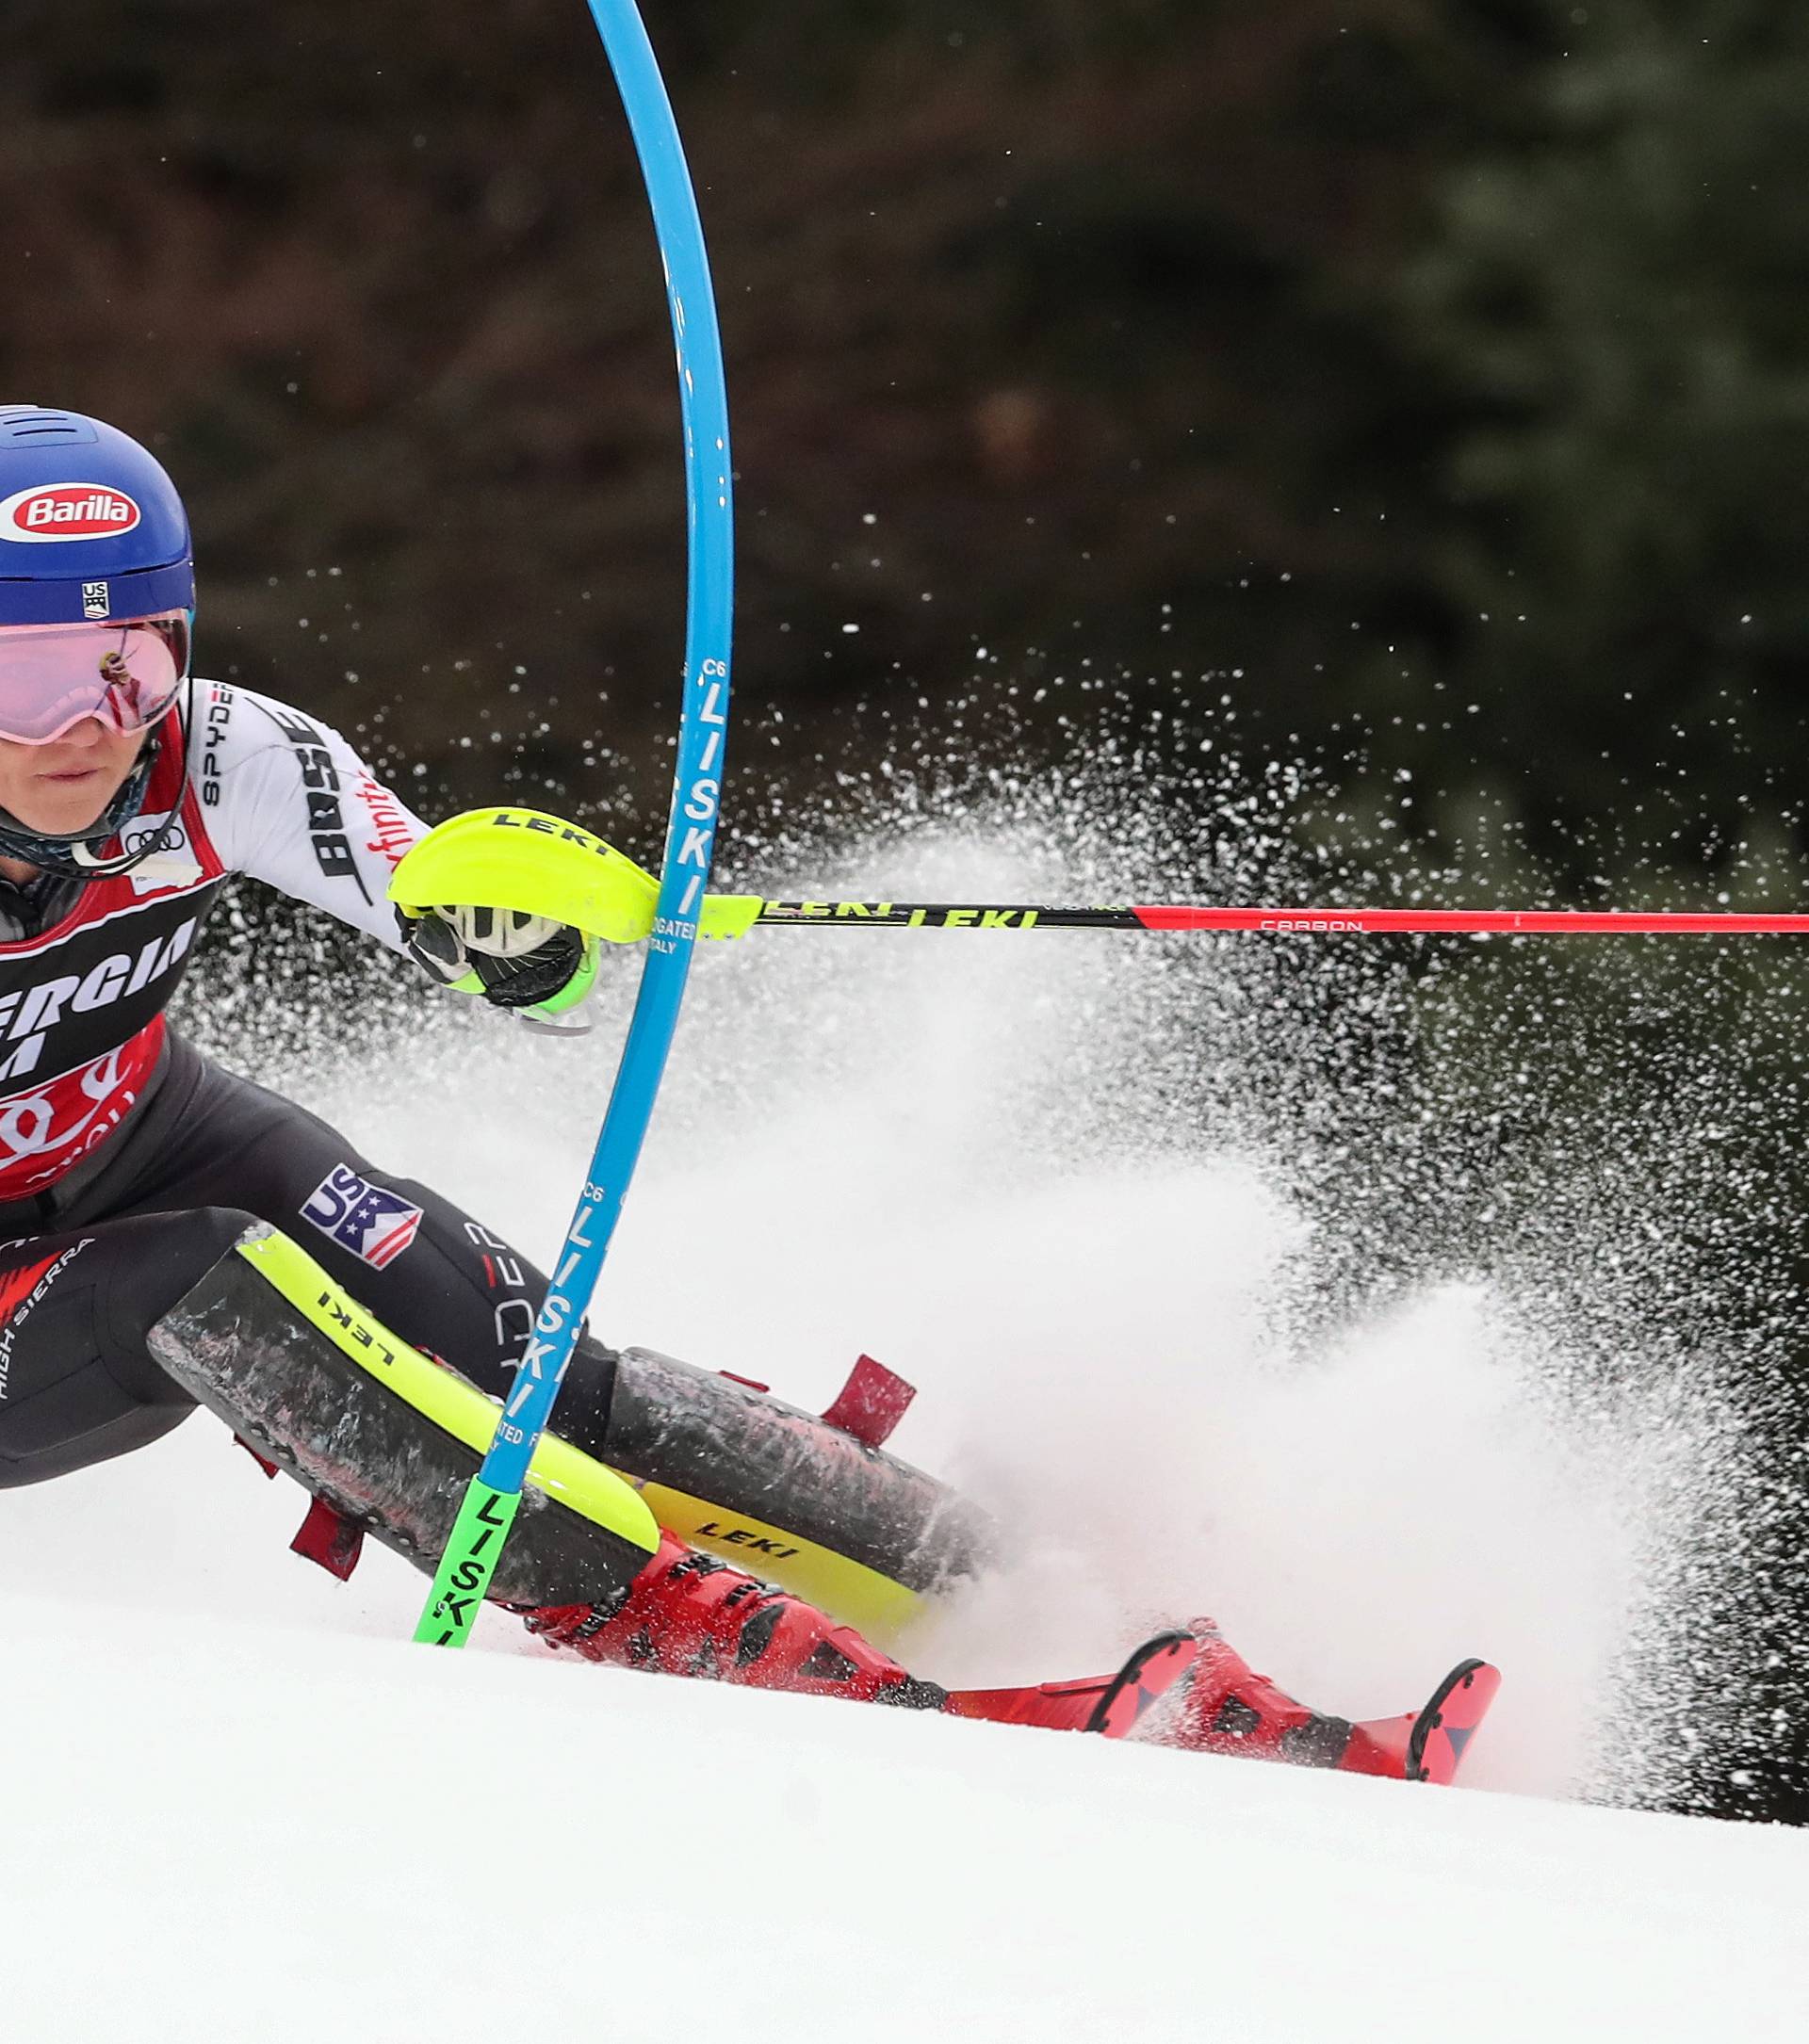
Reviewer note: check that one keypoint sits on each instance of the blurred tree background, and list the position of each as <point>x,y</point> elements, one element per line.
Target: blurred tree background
<point>1426,375</point>
<point>1416,387</point>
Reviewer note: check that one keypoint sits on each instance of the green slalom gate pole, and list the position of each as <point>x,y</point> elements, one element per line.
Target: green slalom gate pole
<point>494,1498</point>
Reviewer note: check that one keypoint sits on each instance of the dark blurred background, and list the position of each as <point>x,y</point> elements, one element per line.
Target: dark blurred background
<point>1426,375</point>
<point>1414,390</point>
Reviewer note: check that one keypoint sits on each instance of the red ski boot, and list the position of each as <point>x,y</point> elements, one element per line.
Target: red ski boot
<point>1221,1705</point>
<point>688,1614</point>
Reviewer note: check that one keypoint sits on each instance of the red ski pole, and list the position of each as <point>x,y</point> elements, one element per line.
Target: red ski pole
<point>739,912</point>
<point>522,859</point>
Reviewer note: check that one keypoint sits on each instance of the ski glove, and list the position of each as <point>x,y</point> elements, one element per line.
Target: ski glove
<point>537,967</point>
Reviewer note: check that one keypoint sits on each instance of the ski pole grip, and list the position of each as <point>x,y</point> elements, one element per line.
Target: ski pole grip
<point>533,863</point>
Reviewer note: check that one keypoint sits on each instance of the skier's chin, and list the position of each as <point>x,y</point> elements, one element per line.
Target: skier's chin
<point>61,792</point>
<point>72,806</point>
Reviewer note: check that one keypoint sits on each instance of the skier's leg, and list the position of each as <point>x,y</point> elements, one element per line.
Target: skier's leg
<point>773,1481</point>
<point>445,1282</point>
<point>76,1385</point>
<point>727,1454</point>
<point>723,1454</point>
<point>388,1440</point>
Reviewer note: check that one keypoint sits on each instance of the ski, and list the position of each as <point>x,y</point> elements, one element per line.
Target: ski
<point>1427,1744</point>
<point>1111,1705</point>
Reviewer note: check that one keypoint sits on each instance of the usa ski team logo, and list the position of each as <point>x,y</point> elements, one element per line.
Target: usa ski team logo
<point>56,511</point>
<point>374,1224</point>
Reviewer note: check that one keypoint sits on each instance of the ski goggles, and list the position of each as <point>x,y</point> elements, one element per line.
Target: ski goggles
<point>55,677</point>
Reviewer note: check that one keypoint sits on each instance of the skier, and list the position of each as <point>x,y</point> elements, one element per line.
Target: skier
<point>131,1165</point>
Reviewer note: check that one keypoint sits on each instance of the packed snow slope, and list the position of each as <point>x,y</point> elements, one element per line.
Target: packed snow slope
<point>223,1828</point>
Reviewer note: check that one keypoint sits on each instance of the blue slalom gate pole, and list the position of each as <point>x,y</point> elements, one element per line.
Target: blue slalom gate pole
<point>495,1493</point>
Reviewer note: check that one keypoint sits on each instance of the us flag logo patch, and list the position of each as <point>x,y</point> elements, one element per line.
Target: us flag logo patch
<point>374,1224</point>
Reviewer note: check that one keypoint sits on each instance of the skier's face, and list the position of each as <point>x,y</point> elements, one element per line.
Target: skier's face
<point>66,785</point>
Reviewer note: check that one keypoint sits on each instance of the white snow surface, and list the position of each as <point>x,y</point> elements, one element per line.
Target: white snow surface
<point>242,1804</point>
<point>223,1828</point>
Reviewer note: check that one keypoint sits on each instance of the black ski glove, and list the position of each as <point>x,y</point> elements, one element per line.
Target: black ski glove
<point>527,963</point>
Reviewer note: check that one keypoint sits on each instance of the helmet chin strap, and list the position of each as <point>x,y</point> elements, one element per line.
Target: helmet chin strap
<point>98,869</point>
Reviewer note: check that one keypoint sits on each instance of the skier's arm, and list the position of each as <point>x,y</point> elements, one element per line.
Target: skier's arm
<point>288,800</point>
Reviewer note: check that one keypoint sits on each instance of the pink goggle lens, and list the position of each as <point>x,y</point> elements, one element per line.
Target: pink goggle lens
<point>55,677</point>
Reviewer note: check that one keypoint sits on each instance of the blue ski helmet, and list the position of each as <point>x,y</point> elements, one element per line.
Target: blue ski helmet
<point>91,526</point>
<point>93,534</point>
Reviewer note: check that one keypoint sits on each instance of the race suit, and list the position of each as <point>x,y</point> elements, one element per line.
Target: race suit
<point>130,1162</point>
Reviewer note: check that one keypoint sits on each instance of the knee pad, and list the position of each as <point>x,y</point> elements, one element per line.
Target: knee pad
<point>785,1493</point>
<point>386,1437</point>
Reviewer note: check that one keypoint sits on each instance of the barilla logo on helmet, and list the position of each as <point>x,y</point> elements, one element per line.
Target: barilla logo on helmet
<point>68,510</point>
